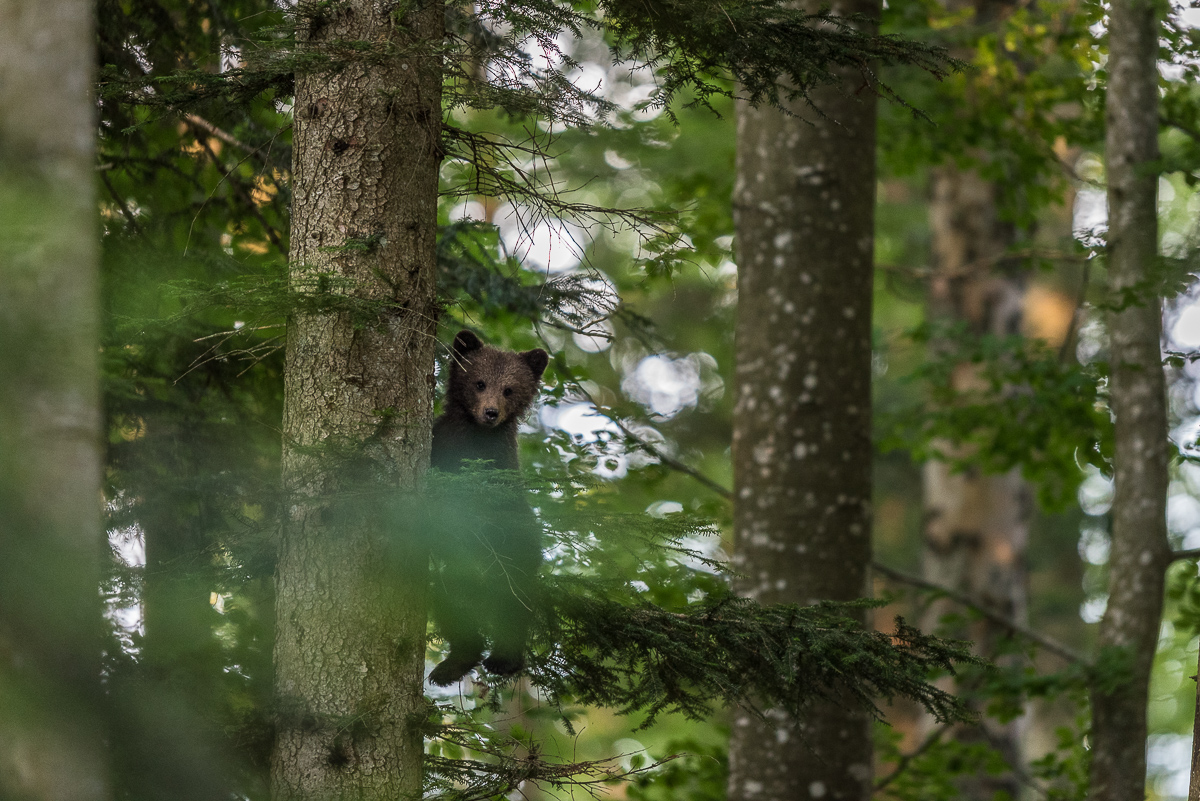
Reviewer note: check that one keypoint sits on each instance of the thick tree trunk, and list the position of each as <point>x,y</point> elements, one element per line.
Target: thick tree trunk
<point>804,209</point>
<point>976,526</point>
<point>351,616</point>
<point>1140,551</point>
<point>50,465</point>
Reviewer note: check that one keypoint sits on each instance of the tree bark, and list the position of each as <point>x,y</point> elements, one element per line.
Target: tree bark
<point>1140,550</point>
<point>1194,778</point>
<point>804,213</point>
<point>976,526</point>
<point>350,638</point>
<point>50,461</point>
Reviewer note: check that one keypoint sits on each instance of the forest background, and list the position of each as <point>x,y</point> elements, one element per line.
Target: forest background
<point>608,236</point>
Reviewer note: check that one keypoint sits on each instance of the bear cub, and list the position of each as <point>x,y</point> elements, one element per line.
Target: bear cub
<point>485,583</point>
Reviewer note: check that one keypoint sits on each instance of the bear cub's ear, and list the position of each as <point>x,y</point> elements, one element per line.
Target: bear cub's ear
<point>465,342</point>
<point>537,360</point>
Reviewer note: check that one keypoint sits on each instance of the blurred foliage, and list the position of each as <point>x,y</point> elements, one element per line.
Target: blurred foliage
<point>1031,92</point>
<point>1024,407</point>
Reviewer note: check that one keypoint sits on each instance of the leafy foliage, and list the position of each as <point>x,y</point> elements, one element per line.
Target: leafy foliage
<point>996,403</point>
<point>1029,91</point>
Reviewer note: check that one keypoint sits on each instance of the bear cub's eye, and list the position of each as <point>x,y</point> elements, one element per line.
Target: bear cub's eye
<point>507,391</point>
<point>480,385</point>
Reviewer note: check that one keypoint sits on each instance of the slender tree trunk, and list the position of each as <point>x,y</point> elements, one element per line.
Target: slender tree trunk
<point>1194,778</point>
<point>350,637</point>
<point>976,526</point>
<point>50,534</point>
<point>804,210</point>
<point>1140,551</point>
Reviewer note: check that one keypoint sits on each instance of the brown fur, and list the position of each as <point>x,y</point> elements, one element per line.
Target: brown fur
<point>485,586</point>
<point>481,423</point>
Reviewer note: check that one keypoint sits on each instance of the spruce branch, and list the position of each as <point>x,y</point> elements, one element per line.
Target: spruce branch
<point>642,658</point>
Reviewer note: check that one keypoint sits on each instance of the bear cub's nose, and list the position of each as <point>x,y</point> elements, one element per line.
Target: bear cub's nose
<point>491,414</point>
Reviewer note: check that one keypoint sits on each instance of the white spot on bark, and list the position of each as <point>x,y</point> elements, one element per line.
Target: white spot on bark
<point>752,787</point>
<point>799,451</point>
<point>781,736</point>
<point>810,381</point>
<point>783,240</point>
<point>816,790</point>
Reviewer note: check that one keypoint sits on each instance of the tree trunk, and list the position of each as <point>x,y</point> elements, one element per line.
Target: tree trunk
<point>50,463</point>
<point>1140,551</point>
<point>804,212</point>
<point>976,526</point>
<point>350,638</point>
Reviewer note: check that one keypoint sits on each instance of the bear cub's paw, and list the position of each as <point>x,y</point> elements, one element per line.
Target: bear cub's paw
<point>450,671</point>
<point>504,664</point>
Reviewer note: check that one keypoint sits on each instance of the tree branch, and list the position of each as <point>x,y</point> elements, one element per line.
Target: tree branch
<point>905,759</point>
<point>650,448</point>
<point>1051,645</point>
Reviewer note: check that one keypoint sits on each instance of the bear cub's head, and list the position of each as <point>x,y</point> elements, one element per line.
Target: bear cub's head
<point>492,387</point>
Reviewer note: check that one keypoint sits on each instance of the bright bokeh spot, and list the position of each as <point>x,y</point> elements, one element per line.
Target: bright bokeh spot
<point>1186,331</point>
